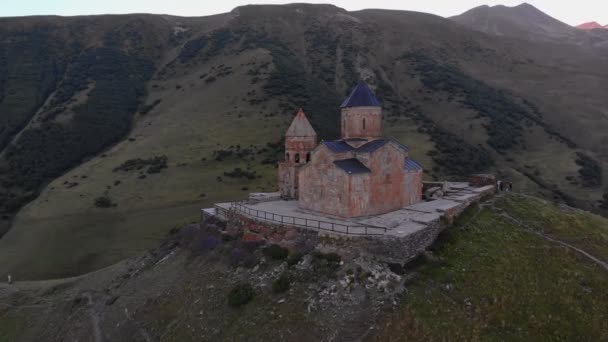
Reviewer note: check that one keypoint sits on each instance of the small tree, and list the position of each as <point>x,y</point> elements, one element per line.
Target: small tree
<point>276,252</point>
<point>604,202</point>
<point>103,202</point>
<point>281,284</point>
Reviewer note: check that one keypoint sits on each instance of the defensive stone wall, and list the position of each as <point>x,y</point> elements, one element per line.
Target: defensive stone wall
<point>387,247</point>
<point>390,247</point>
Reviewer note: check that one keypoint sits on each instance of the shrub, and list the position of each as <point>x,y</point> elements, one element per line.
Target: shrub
<point>276,252</point>
<point>590,171</point>
<point>208,244</point>
<point>240,257</point>
<point>329,257</point>
<point>147,108</point>
<point>281,284</point>
<point>326,263</point>
<point>240,173</point>
<point>103,202</point>
<point>604,201</point>
<point>240,295</point>
<point>294,258</point>
<point>155,164</point>
<point>396,268</point>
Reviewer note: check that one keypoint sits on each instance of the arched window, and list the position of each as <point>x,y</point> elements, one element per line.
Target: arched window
<point>287,156</point>
<point>308,157</point>
<point>363,123</point>
<point>297,158</point>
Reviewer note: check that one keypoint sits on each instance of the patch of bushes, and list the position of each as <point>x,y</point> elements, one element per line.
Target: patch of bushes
<point>155,164</point>
<point>590,171</point>
<point>454,156</point>
<point>326,263</point>
<point>505,130</point>
<point>15,202</point>
<point>281,284</point>
<point>103,202</point>
<point>207,46</point>
<point>290,80</point>
<point>276,252</point>
<point>240,295</point>
<point>44,152</point>
<point>241,257</point>
<point>147,108</point>
<point>31,67</point>
<point>604,201</point>
<point>221,155</point>
<point>294,258</point>
<point>240,173</point>
<point>329,257</point>
<point>192,48</point>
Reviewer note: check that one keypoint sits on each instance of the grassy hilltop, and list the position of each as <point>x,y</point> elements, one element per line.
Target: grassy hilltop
<point>517,268</point>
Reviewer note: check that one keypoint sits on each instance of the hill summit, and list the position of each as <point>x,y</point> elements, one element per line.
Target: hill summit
<point>591,26</point>
<point>522,21</point>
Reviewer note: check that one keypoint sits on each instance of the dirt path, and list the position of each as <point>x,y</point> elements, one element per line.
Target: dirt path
<point>491,205</point>
<point>94,315</point>
<point>524,226</point>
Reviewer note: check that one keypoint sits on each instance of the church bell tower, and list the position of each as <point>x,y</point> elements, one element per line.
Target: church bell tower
<point>361,115</point>
<point>300,140</point>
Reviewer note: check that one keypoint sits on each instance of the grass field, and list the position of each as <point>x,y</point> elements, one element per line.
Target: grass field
<point>496,279</point>
<point>62,233</point>
<point>506,271</point>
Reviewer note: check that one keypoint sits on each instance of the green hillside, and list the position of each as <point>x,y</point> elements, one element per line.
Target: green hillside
<point>516,268</point>
<point>110,96</point>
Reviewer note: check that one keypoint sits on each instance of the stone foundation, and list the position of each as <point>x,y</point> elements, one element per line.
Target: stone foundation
<point>387,248</point>
<point>416,230</point>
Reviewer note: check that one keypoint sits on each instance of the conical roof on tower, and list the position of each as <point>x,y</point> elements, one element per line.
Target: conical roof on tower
<point>361,96</point>
<point>300,126</point>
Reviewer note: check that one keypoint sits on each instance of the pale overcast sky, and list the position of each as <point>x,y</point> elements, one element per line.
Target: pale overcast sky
<point>571,12</point>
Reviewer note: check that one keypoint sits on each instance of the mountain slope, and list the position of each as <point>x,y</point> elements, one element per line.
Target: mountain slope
<point>518,268</point>
<point>523,20</point>
<point>527,22</point>
<point>222,91</point>
<point>590,26</point>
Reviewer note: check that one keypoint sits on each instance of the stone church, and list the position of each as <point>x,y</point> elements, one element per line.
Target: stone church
<point>362,174</point>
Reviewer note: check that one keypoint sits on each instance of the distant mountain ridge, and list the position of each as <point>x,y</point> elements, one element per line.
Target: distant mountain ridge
<point>591,26</point>
<point>528,22</point>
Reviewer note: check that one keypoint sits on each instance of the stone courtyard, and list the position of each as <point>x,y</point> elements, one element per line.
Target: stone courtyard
<point>399,223</point>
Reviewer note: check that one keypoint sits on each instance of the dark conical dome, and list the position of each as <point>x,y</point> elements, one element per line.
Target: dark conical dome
<point>361,96</point>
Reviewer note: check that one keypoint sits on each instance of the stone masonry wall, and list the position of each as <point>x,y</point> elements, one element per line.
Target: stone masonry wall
<point>386,248</point>
<point>362,122</point>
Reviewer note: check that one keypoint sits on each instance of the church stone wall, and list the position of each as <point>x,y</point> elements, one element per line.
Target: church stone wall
<point>412,188</point>
<point>386,190</point>
<point>353,125</point>
<point>324,186</point>
<point>358,195</point>
<point>288,178</point>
